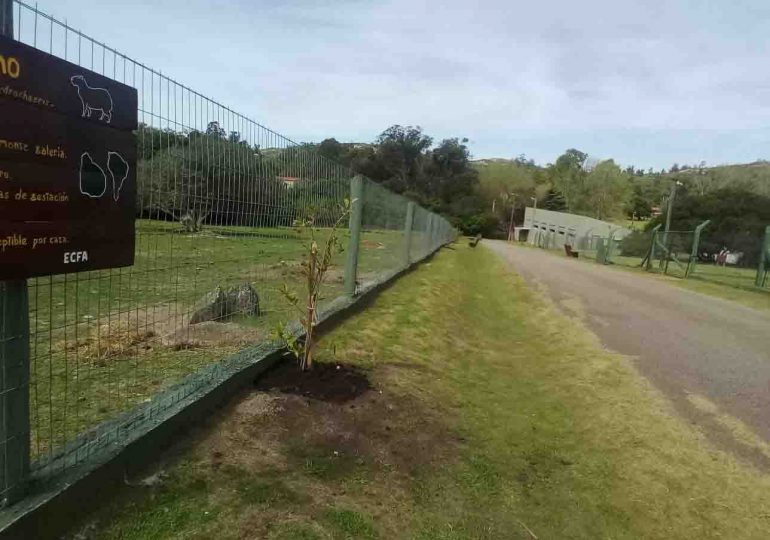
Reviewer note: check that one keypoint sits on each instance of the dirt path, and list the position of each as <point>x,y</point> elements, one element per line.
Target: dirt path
<point>690,345</point>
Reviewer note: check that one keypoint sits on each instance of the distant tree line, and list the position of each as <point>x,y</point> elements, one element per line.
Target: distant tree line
<point>215,177</point>
<point>735,198</point>
<point>405,160</point>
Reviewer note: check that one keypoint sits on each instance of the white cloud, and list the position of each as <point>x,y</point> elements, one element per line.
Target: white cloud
<point>634,77</point>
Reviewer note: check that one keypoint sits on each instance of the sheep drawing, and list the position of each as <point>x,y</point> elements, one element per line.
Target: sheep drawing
<point>93,99</point>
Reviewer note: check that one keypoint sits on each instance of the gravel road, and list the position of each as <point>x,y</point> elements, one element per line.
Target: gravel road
<point>683,341</point>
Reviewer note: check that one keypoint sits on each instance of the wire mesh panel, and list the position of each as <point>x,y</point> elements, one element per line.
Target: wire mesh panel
<point>219,198</point>
<point>428,231</point>
<point>672,252</point>
<point>631,250</point>
<point>383,243</point>
<point>729,258</point>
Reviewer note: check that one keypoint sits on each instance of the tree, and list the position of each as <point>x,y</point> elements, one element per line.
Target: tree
<point>315,266</point>
<point>234,137</point>
<point>205,178</point>
<point>331,149</point>
<point>738,219</point>
<point>448,171</point>
<point>172,185</point>
<point>571,159</point>
<point>606,190</point>
<point>568,177</point>
<point>400,150</point>
<point>213,129</point>
<point>554,200</point>
<point>150,140</point>
<point>522,160</point>
<point>639,206</point>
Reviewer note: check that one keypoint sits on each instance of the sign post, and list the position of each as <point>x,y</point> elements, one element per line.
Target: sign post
<point>67,204</point>
<point>14,363</point>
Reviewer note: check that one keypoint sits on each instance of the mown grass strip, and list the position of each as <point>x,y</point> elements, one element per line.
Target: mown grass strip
<point>546,434</point>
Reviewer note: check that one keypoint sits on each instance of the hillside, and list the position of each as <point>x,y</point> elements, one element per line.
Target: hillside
<point>751,176</point>
<point>500,175</point>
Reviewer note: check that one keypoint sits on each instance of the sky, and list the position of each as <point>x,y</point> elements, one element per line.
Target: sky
<point>647,82</point>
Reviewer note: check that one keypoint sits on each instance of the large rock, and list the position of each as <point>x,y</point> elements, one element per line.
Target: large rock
<point>219,305</point>
<point>243,300</point>
<point>212,307</point>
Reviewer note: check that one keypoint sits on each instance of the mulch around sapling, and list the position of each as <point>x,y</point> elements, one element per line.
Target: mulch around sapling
<point>330,382</point>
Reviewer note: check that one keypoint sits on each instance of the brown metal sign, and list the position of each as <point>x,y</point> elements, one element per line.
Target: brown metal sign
<point>67,166</point>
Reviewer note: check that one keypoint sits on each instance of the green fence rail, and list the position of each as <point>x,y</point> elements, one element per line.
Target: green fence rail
<point>218,197</point>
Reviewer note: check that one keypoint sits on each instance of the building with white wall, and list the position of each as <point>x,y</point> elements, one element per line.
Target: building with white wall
<point>546,228</point>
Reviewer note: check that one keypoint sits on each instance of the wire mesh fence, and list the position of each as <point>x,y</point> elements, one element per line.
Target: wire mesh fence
<point>218,196</point>
<point>727,258</point>
<point>731,259</point>
<point>671,253</point>
<point>632,250</point>
<point>604,249</point>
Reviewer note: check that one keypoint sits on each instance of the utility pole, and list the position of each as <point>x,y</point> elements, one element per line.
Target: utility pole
<point>669,213</point>
<point>670,207</point>
<point>6,18</point>
<point>532,226</point>
<point>510,222</point>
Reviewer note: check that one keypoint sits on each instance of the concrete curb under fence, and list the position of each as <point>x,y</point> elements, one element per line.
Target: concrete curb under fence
<point>134,439</point>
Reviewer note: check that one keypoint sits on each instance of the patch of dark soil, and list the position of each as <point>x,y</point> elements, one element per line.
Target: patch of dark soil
<point>334,383</point>
<point>333,422</point>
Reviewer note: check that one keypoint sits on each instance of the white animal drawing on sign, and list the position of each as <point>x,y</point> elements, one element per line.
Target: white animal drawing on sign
<point>93,99</point>
<point>93,181</point>
<point>118,168</point>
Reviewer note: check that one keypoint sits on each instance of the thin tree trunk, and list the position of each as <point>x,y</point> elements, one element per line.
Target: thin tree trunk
<point>307,362</point>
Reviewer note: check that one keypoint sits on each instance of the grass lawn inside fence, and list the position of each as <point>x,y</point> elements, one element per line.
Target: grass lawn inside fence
<point>492,415</point>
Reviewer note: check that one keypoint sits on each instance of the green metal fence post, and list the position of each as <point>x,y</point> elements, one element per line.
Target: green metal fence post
<point>610,246</point>
<point>425,236</point>
<point>14,363</point>
<point>651,251</point>
<point>14,385</point>
<point>694,251</point>
<point>764,257</point>
<point>6,18</point>
<point>408,233</point>
<point>356,216</point>
<point>601,251</point>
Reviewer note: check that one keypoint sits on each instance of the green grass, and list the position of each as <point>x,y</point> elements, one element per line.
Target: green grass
<point>634,225</point>
<point>539,431</point>
<point>349,525</point>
